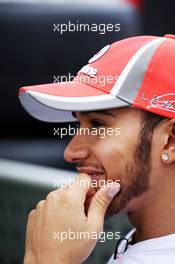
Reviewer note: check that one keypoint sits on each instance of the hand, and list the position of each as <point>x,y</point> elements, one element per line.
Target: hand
<point>61,213</point>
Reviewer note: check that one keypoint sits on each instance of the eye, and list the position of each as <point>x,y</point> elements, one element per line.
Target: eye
<point>97,123</point>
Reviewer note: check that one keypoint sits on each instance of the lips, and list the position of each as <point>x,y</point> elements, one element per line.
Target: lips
<point>89,170</point>
<point>93,172</point>
<point>96,175</point>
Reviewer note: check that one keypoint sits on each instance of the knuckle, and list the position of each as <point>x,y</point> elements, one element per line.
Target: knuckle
<point>66,199</point>
<point>31,214</point>
<point>101,202</point>
<point>51,195</point>
<point>63,197</point>
<point>40,204</point>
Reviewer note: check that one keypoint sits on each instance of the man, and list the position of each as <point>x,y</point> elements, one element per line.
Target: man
<point>136,104</point>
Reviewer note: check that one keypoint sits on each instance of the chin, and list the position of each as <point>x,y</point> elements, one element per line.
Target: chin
<point>120,206</point>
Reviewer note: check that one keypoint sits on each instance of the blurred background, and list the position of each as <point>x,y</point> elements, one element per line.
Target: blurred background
<point>31,157</point>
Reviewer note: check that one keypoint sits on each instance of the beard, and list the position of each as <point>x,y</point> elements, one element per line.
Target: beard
<point>134,179</point>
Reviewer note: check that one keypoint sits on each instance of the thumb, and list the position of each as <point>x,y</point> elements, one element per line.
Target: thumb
<point>100,203</point>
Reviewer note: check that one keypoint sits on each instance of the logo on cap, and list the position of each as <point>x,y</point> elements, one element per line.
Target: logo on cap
<point>88,70</point>
<point>99,54</point>
<point>165,102</point>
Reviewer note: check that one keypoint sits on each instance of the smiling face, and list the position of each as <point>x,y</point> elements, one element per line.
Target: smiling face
<point>113,157</point>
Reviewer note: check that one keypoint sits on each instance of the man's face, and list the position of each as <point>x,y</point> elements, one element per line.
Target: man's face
<point>113,157</point>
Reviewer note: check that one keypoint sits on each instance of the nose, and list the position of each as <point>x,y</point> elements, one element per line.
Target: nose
<point>77,150</point>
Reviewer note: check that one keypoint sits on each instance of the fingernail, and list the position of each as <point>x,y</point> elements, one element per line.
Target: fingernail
<point>113,189</point>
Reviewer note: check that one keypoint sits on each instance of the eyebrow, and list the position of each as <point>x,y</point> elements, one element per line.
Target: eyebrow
<point>101,112</point>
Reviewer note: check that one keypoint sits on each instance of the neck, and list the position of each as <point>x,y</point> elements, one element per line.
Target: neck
<point>156,217</point>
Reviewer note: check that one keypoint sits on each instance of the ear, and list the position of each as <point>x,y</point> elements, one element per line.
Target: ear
<point>168,151</point>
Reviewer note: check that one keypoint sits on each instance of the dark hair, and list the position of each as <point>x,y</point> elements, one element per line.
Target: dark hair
<point>150,121</point>
<point>148,124</point>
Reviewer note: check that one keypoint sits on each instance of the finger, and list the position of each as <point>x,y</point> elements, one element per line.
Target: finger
<point>100,203</point>
<point>30,227</point>
<point>79,187</point>
<point>74,193</point>
<point>39,212</point>
<point>40,205</point>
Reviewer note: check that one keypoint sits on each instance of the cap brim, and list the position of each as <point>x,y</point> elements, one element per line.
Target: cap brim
<point>55,102</point>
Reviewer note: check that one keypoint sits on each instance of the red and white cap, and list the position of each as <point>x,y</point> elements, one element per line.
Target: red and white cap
<point>135,72</point>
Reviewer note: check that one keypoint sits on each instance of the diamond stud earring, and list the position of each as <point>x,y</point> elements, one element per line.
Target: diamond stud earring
<point>165,157</point>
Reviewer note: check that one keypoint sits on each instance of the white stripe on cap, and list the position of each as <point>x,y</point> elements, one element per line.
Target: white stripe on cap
<point>131,78</point>
<point>50,108</point>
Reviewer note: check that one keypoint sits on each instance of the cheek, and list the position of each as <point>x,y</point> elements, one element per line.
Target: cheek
<point>111,155</point>
<point>114,153</point>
